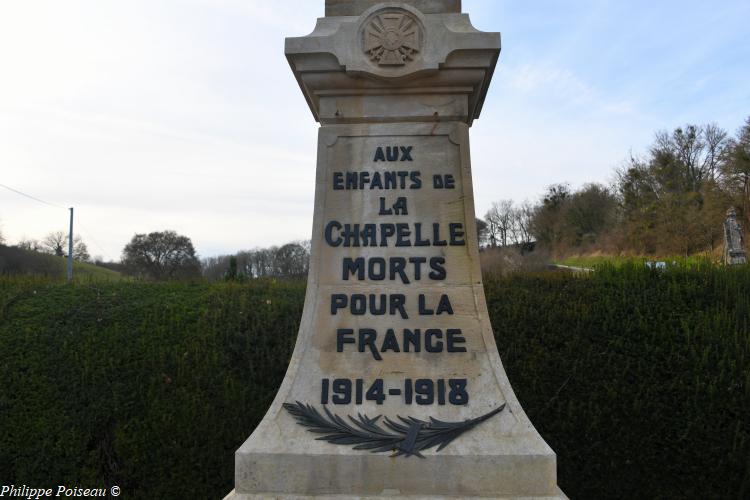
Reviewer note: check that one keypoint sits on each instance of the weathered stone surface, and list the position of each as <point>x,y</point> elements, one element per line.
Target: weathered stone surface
<point>444,79</point>
<point>413,233</point>
<point>357,7</point>
<point>734,240</point>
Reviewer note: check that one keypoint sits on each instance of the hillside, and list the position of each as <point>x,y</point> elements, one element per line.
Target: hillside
<point>14,260</point>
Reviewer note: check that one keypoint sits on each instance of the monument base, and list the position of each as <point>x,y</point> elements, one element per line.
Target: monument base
<point>522,466</point>
<point>559,495</point>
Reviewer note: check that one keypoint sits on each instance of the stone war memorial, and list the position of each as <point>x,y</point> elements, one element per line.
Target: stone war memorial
<point>395,388</point>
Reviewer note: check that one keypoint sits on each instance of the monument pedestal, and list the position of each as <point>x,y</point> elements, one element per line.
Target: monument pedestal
<point>395,388</point>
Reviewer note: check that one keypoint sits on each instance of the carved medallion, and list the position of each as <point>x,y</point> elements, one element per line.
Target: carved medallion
<point>392,37</point>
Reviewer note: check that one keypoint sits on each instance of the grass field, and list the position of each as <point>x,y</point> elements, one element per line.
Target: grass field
<point>84,271</point>
<point>15,260</point>
<point>596,261</point>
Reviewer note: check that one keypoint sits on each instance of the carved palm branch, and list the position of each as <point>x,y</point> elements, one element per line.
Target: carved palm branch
<point>403,436</point>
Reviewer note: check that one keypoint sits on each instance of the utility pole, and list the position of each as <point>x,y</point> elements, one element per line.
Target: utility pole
<point>70,247</point>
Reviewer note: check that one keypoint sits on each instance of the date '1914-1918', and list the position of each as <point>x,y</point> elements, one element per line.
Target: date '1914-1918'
<point>421,391</point>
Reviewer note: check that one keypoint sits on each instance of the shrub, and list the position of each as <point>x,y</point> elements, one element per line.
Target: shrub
<point>637,378</point>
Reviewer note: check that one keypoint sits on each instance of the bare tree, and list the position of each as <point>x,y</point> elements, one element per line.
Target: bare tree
<point>55,243</point>
<point>716,140</point>
<point>523,216</point>
<point>289,260</point>
<point>481,232</point>
<point>736,167</point>
<point>29,244</point>
<point>214,268</point>
<point>500,220</point>
<point>80,250</point>
<point>694,150</point>
<point>263,262</point>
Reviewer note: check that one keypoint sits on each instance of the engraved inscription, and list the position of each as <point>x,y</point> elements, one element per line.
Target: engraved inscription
<point>406,249</point>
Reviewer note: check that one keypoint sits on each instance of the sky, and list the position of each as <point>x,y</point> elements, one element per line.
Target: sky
<point>147,115</point>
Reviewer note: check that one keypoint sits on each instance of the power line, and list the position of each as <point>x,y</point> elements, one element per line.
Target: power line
<point>31,197</point>
<point>91,238</point>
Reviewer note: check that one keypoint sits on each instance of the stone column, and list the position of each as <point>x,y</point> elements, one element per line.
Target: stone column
<point>395,388</point>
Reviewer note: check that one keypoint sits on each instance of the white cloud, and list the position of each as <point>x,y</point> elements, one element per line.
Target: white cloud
<point>154,115</point>
<point>149,115</point>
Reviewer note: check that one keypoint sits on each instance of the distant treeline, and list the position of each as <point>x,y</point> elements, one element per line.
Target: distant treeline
<point>168,256</point>
<point>671,200</point>
<point>287,261</point>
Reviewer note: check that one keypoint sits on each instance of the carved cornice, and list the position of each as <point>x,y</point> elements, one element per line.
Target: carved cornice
<point>357,7</point>
<point>393,50</point>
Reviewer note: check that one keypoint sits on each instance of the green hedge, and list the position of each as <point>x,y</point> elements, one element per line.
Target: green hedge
<point>638,379</point>
<point>151,387</point>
